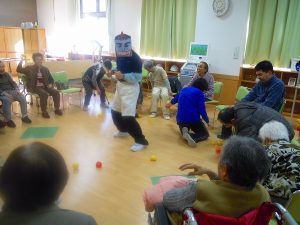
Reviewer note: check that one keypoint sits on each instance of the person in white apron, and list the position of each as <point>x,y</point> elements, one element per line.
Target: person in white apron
<point>128,74</point>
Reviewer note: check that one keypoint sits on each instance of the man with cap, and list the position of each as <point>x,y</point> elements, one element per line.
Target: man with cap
<point>128,75</point>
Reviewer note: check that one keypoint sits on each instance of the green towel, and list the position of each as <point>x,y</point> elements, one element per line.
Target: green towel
<point>155,179</point>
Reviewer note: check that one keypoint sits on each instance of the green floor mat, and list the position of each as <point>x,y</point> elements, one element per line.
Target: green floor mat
<point>39,132</point>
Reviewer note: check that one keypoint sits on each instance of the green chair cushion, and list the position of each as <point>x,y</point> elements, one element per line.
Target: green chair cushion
<point>218,87</point>
<point>60,76</point>
<point>221,107</point>
<point>272,222</point>
<point>212,102</point>
<point>70,90</point>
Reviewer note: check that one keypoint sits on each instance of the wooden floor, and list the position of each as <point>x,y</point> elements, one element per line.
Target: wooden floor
<point>113,194</point>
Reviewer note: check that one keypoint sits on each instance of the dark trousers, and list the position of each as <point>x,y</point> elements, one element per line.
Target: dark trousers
<point>2,124</point>
<point>88,86</point>
<point>129,124</point>
<point>43,93</point>
<point>141,97</point>
<point>226,132</point>
<point>200,132</point>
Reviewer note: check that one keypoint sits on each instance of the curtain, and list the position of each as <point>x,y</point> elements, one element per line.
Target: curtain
<point>183,27</point>
<point>110,27</point>
<point>167,27</point>
<point>274,32</point>
<point>156,26</point>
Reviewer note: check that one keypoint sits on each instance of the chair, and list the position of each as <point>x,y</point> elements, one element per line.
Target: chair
<point>217,92</point>
<point>293,206</point>
<point>258,216</point>
<point>282,106</point>
<point>61,77</point>
<point>23,80</point>
<point>174,84</point>
<point>145,79</point>
<point>240,94</point>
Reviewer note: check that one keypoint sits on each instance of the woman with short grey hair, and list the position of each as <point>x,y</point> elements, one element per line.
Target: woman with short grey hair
<point>284,178</point>
<point>234,190</point>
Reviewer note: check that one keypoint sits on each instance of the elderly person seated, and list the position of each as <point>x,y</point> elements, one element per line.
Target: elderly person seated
<point>233,191</point>
<point>9,92</point>
<point>202,72</point>
<point>284,178</point>
<point>31,181</point>
<point>161,88</point>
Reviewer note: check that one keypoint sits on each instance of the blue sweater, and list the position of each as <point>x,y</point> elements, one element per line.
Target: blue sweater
<point>131,67</point>
<point>269,94</point>
<point>191,105</point>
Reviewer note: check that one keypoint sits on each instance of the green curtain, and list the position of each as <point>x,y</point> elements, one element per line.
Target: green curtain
<point>156,27</point>
<point>274,32</point>
<point>167,27</point>
<point>183,27</point>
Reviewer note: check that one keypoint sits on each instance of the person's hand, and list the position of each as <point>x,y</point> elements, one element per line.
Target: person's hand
<point>109,73</point>
<point>168,105</point>
<point>211,127</point>
<point>98,91</point>
<point>198,170</point>
<point>23,57</point>
<point>170,93</point>
<point>119,75</point>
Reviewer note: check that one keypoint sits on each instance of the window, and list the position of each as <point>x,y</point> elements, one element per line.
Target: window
<point>92,8</point>
<point>91,30</point>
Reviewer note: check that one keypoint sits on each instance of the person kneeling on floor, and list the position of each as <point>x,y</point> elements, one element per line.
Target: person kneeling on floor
<point>191,107</point>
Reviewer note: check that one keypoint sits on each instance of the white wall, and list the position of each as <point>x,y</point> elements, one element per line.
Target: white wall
<point>59,16</point>
<point>224,34</point>
<point>126,17</point>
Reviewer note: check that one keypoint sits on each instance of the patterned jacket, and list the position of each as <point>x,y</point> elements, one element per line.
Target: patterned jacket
<point>284,177</point>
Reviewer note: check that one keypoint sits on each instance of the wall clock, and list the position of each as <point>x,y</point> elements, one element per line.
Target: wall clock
<point>220,7</point>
